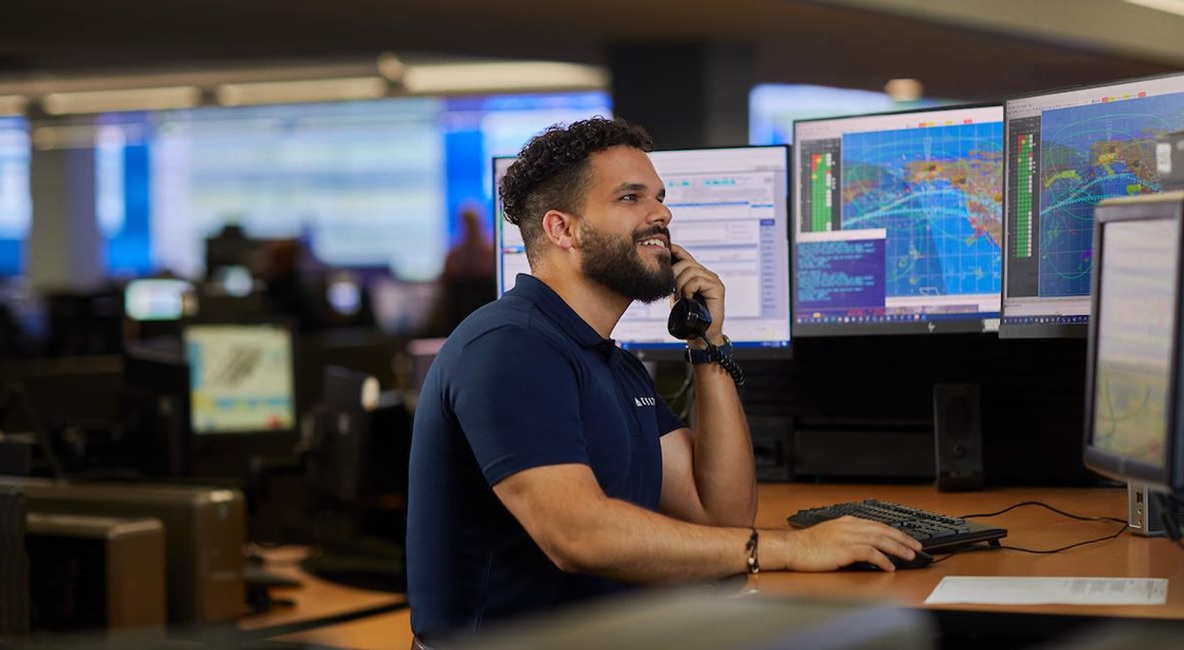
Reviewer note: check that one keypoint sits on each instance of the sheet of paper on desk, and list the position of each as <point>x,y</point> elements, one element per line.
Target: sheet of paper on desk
<point>1049,591</point>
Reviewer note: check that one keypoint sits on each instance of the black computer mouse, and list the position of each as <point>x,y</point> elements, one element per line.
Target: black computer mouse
<point>921,559</point>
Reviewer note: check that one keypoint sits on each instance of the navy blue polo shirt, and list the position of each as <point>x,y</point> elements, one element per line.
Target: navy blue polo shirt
<point>523,382</point>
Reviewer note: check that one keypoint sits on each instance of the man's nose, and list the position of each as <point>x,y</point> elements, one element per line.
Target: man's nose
<point>662,215</point>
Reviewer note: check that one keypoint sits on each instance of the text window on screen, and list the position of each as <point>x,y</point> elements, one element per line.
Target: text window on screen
<point>724,231</point>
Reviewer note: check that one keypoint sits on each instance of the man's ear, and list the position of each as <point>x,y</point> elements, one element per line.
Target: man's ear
<point>560,228</point>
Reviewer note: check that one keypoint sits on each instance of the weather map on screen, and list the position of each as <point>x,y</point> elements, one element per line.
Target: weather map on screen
<point>1089,154</point>
<point>898,222</point>
<point>951,174</point>
<point>1067,151</point>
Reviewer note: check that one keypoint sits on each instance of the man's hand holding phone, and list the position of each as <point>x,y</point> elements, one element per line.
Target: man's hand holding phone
<point>692,279</point>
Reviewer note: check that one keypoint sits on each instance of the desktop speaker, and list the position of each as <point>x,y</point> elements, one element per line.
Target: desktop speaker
<point>958,435</point>
<point>772,440</point>
<point>96,573</point>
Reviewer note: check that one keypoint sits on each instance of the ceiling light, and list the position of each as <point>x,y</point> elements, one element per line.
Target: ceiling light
<point>137,99</point>
<point>311,90</point>
<point>514,76</point>
<point>1170,6</point>
<point>904,90</point>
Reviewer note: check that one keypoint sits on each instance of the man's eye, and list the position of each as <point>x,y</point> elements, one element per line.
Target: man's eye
<point>629,197</point>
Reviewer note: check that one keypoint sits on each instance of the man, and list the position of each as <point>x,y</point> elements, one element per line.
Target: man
<point>544,467</point>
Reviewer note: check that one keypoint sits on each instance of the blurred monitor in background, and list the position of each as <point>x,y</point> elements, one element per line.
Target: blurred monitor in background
<point>362,183</point>
<point>356,466</point>
<point>402,308</point>
<point>232,280</point>
<point>242,378</point>
<point>157,299</point>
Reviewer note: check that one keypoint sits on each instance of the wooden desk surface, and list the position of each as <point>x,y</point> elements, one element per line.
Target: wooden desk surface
<point>314,598</point>
<point>1028,527</point>
<point>1128,556</point>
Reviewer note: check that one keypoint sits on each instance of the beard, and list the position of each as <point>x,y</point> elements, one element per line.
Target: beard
<point>615,263</point>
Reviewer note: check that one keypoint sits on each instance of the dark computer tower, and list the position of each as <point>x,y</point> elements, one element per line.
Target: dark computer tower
<point>92,573</point>
<point>14,567</point>
<point>205,529</point>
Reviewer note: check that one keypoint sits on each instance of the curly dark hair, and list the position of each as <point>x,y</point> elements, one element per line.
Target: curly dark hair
<point>550,173</point>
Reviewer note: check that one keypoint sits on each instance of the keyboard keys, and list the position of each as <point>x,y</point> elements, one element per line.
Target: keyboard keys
<point>933,530</point>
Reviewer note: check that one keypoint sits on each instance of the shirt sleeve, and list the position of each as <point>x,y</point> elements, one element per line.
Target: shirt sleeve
<point>518,403</point>
<point>667,420</point>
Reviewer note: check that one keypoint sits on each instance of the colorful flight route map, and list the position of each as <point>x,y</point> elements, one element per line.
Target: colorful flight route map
<point>938,193</point>
<point>1088,154</point>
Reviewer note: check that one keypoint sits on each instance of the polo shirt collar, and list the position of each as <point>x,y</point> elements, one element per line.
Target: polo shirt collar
<point>549,302</point>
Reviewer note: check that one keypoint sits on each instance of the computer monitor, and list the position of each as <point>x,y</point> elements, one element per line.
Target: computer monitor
<point>16,203</point>
<point>1133,416</point>
<point>356,477</point>
<point>897,222</point>
<point>156,409</point>
<point>731,211</point>
<point>157,299</point>
<point>402,308</point>
<point>1066,151</point>
<point>241,378</point>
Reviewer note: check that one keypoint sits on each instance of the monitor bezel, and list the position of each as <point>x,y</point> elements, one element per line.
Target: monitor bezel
<point>981,323</point>
<point>672,351</point>
<point>1073,327</point>
<point>202,439</point>
<point>1170,477</point>
<point>499,221</point>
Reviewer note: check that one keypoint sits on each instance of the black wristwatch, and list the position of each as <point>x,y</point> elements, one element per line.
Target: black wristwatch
<point>696,357</point>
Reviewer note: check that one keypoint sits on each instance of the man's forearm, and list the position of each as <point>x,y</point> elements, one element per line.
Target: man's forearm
<point>632,544</point>
<point>725,475</point>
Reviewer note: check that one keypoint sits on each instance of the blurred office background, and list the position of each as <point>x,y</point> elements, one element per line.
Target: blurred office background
<point>325,169</point>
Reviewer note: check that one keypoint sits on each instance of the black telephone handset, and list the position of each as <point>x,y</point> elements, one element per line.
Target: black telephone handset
<point>689,318</point>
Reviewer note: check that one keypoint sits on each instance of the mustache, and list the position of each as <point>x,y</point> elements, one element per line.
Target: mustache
<point>650,232</point>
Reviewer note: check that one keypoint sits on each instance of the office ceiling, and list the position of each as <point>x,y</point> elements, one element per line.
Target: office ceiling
<point>980,49</point>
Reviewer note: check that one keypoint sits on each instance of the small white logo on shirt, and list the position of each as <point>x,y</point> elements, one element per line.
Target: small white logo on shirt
<point>644,401</point>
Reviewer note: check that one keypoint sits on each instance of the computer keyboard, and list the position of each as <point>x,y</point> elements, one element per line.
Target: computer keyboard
<point>936,532</point>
